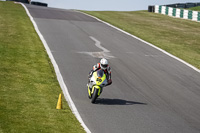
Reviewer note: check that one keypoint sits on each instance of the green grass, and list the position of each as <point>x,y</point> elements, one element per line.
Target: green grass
<point>197,8</point>
<point>29,89</point>
<point>176,36</point>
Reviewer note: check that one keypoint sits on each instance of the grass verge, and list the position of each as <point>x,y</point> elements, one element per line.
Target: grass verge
<point>28,86</point>
<point>176,36</point>
<point>197,8</point>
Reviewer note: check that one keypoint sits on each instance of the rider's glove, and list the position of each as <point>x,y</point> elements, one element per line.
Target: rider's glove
<point>90,73</point>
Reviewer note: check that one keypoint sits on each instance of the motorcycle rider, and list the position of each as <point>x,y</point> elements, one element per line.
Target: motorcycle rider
<point>105,67</point>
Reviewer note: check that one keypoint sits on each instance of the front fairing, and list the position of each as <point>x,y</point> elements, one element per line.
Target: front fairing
<point>99,78</point>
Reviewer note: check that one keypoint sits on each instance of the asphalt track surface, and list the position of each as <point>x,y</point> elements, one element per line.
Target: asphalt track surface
<point>151,91</point>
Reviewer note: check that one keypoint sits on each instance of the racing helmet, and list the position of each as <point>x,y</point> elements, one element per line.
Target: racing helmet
<point>103,63</point>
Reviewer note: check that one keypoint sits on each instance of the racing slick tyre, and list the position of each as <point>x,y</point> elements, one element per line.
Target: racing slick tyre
<point>94,95</point>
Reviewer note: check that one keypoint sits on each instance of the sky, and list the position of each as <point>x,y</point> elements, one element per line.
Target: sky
<point>109,5</point>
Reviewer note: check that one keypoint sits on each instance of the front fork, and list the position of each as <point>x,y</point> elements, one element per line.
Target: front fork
<point>90,92</point>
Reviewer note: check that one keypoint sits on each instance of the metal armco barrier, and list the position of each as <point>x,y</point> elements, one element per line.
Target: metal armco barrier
<point>178,13</point>
<point>38,3</point>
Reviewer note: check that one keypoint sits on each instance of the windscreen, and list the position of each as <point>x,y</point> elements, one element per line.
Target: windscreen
<point>100,73</point>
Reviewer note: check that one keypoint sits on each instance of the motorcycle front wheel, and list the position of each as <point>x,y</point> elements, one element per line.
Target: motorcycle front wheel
<point>94,95</point>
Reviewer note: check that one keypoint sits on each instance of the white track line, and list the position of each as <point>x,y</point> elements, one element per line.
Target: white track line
<point>104,54</point>
<point>98,44</point>
<point>58,74</point>
<point>196,69</point>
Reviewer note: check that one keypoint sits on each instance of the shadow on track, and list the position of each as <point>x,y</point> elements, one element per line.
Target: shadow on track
<point>116,102</point>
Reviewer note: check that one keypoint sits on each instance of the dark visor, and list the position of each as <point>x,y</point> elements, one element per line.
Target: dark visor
<point>104,65</point>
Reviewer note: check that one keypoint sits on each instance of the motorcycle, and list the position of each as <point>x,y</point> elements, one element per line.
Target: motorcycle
<point>97,82</point>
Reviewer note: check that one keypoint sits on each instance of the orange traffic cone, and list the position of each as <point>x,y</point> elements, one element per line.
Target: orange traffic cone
<point>59,104</point>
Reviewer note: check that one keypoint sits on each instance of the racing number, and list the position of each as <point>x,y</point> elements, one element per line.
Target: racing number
<point>98,79</point>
